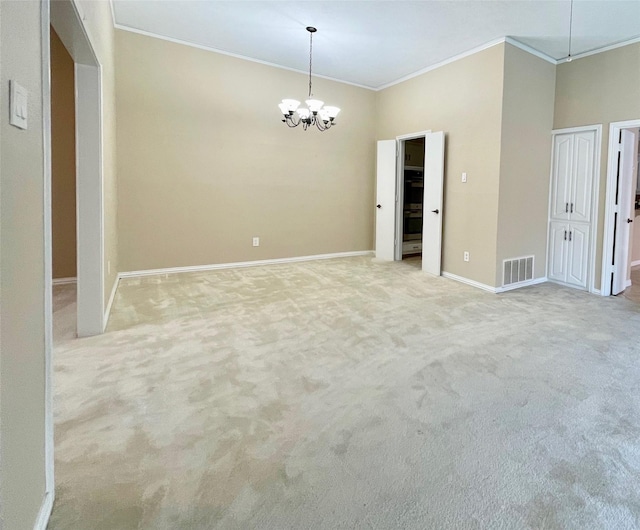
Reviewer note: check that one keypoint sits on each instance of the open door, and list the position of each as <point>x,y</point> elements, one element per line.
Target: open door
<point>386,200</point>
<point>625,215</point>
<point>432,203</point>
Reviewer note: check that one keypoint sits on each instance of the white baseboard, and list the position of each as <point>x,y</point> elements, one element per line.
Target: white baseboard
<point>467,281</point>
<point>488,288</point>
<point>45,512</point>
<point>635,263</point>
<point>64,281</point>
<point>107,311</point>
<point>518,285</point>
<point>240,264</point>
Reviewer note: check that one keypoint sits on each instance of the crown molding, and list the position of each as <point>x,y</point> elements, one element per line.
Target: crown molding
<point>236,55</point>
<point>529,49</point>
<point>596,51</point>
<point>450,60</point>
<point>508,39</point>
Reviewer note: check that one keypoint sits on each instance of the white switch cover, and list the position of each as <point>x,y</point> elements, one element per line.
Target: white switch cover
<point>18,98</point>
<point>464,177</point>
<point>256,241</point>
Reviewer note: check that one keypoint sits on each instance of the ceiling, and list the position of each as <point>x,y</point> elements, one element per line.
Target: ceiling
<point>375,43</point>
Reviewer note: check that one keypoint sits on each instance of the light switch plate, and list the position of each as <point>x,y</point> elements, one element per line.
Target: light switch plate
<point>18,100</point>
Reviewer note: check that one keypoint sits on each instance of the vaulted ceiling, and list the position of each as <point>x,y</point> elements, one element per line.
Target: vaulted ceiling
<point>374,43</point>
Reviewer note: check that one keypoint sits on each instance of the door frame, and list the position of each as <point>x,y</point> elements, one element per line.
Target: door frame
<point>89,198</point>
<point>609,206</point>
<point>595,199</point>
<point>68,23</point>
<point>400,140</point>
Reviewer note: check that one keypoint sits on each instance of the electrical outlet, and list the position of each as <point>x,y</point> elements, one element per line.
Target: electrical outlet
<point>466,255</point>
<point>256,241</point>
<point>464,177</point>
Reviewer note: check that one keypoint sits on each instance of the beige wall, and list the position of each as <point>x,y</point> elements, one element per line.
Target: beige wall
<point>99,27</point>
<point>63,160</point>
<point>205,164</point>
<point>601,88</point>
<point>22,385</point>
<point>527,121</point>
<point>464,99</point>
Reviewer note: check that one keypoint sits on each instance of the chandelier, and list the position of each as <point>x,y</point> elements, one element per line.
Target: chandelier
<point>316,114</point>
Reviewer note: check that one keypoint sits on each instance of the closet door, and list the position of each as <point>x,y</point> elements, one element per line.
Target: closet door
<point>578,255</point>
<point>386,200</point>
<point>561,175</point>
<point>582,177</point>
<point>558,239</point>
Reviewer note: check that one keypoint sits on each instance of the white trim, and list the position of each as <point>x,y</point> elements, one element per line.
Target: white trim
<point>113,13</point>
<point>527,283</point>
<point>64,281</point>
<point>236,55</point>
<point>488,288</point>
<point>595,199</point>
<point>241,264</point>
<point>529,49</point>
<point>609,209</point>
<point>467,281</point>
<point>635,263</point>
<point>107,311</point>
<point>507,39</point>
<point>596,51</point>
<point>627,284</point>
<point>90,199</point>
<point>45,512</point>
<point>582,128</point>
<point>450,60</point>
<point>49,460</point>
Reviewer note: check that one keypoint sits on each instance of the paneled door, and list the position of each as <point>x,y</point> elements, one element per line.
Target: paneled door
<point>386,200</point>
<point>432,203</point>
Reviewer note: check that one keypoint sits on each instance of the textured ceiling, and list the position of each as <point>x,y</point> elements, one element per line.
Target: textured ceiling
<point>373,43</point>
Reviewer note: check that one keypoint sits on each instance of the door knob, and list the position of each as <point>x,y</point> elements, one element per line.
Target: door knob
<point>629,220</point>
<point>435,211</point>
<point>378,206</point>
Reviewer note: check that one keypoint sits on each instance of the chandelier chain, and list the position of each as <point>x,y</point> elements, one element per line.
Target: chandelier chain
<point>570,27</point>
<point>311,55</point>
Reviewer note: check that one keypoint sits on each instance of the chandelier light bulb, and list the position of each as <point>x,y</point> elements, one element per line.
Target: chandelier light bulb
<point>314,105</point>
<point>291,104</point>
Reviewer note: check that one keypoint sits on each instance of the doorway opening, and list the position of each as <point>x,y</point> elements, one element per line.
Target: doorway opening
<point>621,254</point>
<point>398,215</point>
<point>411,197</point>
<point>63,190</point>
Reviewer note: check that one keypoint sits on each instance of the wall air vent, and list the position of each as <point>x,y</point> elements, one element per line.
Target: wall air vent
<point>517,270</point>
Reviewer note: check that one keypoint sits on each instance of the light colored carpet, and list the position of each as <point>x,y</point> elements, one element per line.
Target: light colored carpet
<point>349,394</point>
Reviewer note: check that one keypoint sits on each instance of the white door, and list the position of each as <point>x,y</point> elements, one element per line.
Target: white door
<point>583,162</point>
<point>578,254</point>
<point>558,238</point>
<point>625,177</point>
<point>386,200</point>
<point>432,203</point>
<point>562,166</point>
